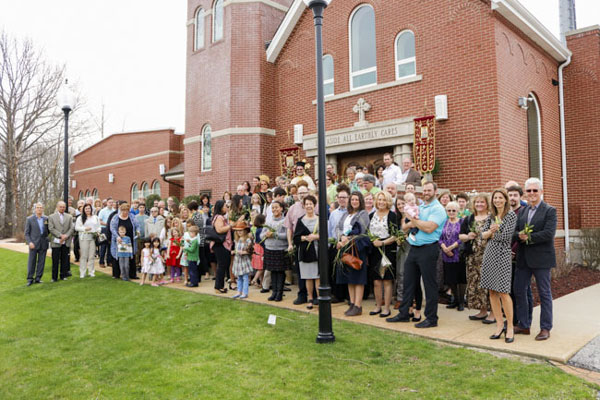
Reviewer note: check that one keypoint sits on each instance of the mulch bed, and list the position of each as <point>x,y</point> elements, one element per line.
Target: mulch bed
<point>578,278</point>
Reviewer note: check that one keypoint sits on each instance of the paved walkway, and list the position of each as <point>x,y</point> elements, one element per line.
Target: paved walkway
<point>576,321</point>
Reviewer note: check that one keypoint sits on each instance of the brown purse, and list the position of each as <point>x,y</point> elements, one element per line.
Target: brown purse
<point>351,260</point>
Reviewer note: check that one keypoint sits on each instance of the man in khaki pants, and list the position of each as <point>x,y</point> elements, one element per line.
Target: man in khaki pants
<point>60,225</point>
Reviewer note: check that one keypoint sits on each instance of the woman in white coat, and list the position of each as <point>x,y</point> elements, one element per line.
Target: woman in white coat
<point>88,227</point>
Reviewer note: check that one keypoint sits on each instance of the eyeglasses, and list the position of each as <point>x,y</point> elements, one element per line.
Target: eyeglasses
<point>452,210</point>
<point>532,190</point>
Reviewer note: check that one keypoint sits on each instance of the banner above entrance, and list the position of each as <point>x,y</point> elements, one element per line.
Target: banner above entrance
<point>379,134</point>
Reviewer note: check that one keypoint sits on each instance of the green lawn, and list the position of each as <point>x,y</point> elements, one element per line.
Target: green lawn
<point>107,339</point>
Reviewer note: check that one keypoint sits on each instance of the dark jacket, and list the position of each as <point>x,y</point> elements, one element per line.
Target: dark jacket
<point>33,234</point>
<point>305,254</point>
<point>539,253</point>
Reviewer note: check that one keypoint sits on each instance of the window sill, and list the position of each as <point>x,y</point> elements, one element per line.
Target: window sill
<point>398,82</point>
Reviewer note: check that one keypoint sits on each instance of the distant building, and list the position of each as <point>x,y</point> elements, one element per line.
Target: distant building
<point>128,165</point>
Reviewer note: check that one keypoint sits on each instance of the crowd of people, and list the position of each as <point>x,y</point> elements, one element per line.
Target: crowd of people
<point>474,250</point>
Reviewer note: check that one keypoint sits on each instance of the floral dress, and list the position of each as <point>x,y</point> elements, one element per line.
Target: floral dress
<point>242,263</point>
<point>477,298</point>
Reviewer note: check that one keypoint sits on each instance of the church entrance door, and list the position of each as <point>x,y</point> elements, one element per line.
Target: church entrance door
<point>371,159</point>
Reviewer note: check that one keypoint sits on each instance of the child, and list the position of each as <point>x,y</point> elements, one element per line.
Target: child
<point>146,260</point>
<point>242,266</point>
<point>190,251</point>
<point>412,209</point>
<point>255,202</point>
<point>259,250</point>
<point>174,251</point>
<point>157,267</point>
<point>124,252</point>
<point>183,261</point>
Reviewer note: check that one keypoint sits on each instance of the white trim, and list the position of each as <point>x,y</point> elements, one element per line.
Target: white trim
<point>397,62</point>
<point>285,30</point>
<point>520,17</point>
<point>214,7</point>
<point>136,190</point>
<point>364,89</point>
<point>157,182</point>
<point>582,30</point>
<point>112,164</point>
<point>270,3</point>
<point>203,16</point>
<point>202,169</point>
<point>366,70</point>
<point>144,195</point>
<point>175,177</point>
<point>124,133</point>
<point>232,131</point>
<point>539,122</point>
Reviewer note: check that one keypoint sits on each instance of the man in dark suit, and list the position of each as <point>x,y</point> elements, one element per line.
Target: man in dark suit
<point>61,227</point>
<point>36,237</point>
<point>409,174</point>
<point>535,258</point>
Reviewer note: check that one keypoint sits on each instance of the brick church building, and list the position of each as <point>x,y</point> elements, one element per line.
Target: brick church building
<point>491,65</point>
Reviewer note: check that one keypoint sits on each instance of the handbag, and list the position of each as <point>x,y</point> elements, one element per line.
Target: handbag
<point>211,234</point>
<point>383,265</point>
<point>351,260</point>
<point>101,238</point>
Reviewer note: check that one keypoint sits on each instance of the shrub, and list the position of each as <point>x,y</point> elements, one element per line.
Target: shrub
<point>590,242</point>
<point>150,200</point>
<point>193,197</point>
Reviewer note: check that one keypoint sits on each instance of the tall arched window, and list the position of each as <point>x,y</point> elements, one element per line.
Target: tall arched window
<point>363,55</point>
<point>95,193</point>
<point>328,75</point>
<point>80,197</point>
<point>87,193</point>
<point>534,135</point>
<point>217,20</point>
<point>135,193</point>
<point>406,62</point>
<point>156,188</point>
<point>199,29</point>
<point>145,190</point>
<point>206,148</point>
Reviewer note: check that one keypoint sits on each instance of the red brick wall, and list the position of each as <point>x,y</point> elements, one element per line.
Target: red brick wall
<point>582,118</point>
<point>228,86</point>
<point>120,147</point>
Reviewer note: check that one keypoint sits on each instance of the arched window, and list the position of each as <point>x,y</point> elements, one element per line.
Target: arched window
<point>135,193</point>
<point>406,62</point>
<point>217,20</point>
<point>95,193</point>
<point>199,29</point>
<point>206,148</point>
<point>145,190</point>
<point>156,188</point>
<point>534,135</point>
<point>363,62</point>
<point>80,197</point>
<point>328,75</point>
<point>87,193</point>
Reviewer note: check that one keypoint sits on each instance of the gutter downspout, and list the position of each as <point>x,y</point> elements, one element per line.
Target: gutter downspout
<point>563,151</point>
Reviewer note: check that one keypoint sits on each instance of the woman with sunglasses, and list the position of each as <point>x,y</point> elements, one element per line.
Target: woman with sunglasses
<point>454,270</point>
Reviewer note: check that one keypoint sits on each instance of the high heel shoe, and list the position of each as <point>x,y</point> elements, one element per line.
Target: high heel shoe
<point>509,339</point>
<point>220,291</point>
<point>499,335</point>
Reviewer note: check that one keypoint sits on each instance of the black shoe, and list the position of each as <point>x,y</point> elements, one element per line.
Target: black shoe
<point>509,339</point>
<point>190,285</point>
<point>265,290</point>
<point>29,283</point>
<point>488,321</point>
<point>461,307</point>
<point>426,324</point>
<point>287,289</point>
<point>499,335</point>
<point>300,300</point>
<point>413,319</point>
<point>476,318</point>
<point>315,302</point>
<point>54,280</point>
<point>398,318</point>
<point>374,312</point>
<point>38,281</point>
<point>382,315</point>
<point>452,305</point>
<point>69,274</point>
<point>279,296</point>
<point>273,296</point>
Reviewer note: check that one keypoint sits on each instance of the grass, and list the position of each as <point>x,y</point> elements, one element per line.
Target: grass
<point>107,339</point>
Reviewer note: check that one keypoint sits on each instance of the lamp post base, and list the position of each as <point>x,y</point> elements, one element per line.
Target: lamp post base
<point>325,329</point>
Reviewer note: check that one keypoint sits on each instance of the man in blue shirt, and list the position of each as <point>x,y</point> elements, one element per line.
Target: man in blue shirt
<point>339,291</point>
<point>422,257</point>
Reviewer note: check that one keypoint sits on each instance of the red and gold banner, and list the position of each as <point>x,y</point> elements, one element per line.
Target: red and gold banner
<point>287,160</point>
<point>424,144</point>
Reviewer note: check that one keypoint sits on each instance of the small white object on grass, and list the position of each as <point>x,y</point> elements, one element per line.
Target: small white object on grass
<point>272,319</point>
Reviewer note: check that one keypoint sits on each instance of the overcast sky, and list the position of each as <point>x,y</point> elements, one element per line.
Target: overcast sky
<point>130,54</point>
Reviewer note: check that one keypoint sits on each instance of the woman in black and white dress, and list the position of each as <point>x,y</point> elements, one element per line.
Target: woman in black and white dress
<point>496,270</point>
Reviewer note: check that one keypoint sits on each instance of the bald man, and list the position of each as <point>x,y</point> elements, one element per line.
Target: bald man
<point>61,227</point>
<point>409,174</point>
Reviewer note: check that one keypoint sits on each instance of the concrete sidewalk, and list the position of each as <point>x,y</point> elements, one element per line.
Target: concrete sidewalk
<point>576,320</point>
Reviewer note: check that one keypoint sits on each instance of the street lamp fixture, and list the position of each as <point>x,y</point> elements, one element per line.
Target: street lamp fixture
<point>66,101</point>
<point>325,326</point>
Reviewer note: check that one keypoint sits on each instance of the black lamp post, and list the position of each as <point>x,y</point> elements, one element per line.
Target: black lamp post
<point>65,99</point>
<point>325,327</point>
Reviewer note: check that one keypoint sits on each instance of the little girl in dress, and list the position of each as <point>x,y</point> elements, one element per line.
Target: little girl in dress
<point>157,267</point>
<point>146,260</point>
<point>242,266</point>
<point>174,254</point>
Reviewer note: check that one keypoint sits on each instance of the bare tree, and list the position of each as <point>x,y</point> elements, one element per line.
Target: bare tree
<point>30,129</point>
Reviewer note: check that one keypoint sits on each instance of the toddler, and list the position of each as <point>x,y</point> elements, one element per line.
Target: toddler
<point>157,267</point>
<point>191,254</point>
<point>412,210</point>
<point>146,260</point>
<point>124,252</point>
<point>259,250</point>
<point>174,251</point>
<point>242,265</point>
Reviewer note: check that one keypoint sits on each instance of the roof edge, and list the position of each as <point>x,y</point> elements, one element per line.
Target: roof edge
<point>583,30</point>
<point>123,133</point>
<point>285,30</point>
<point>527,23</point>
